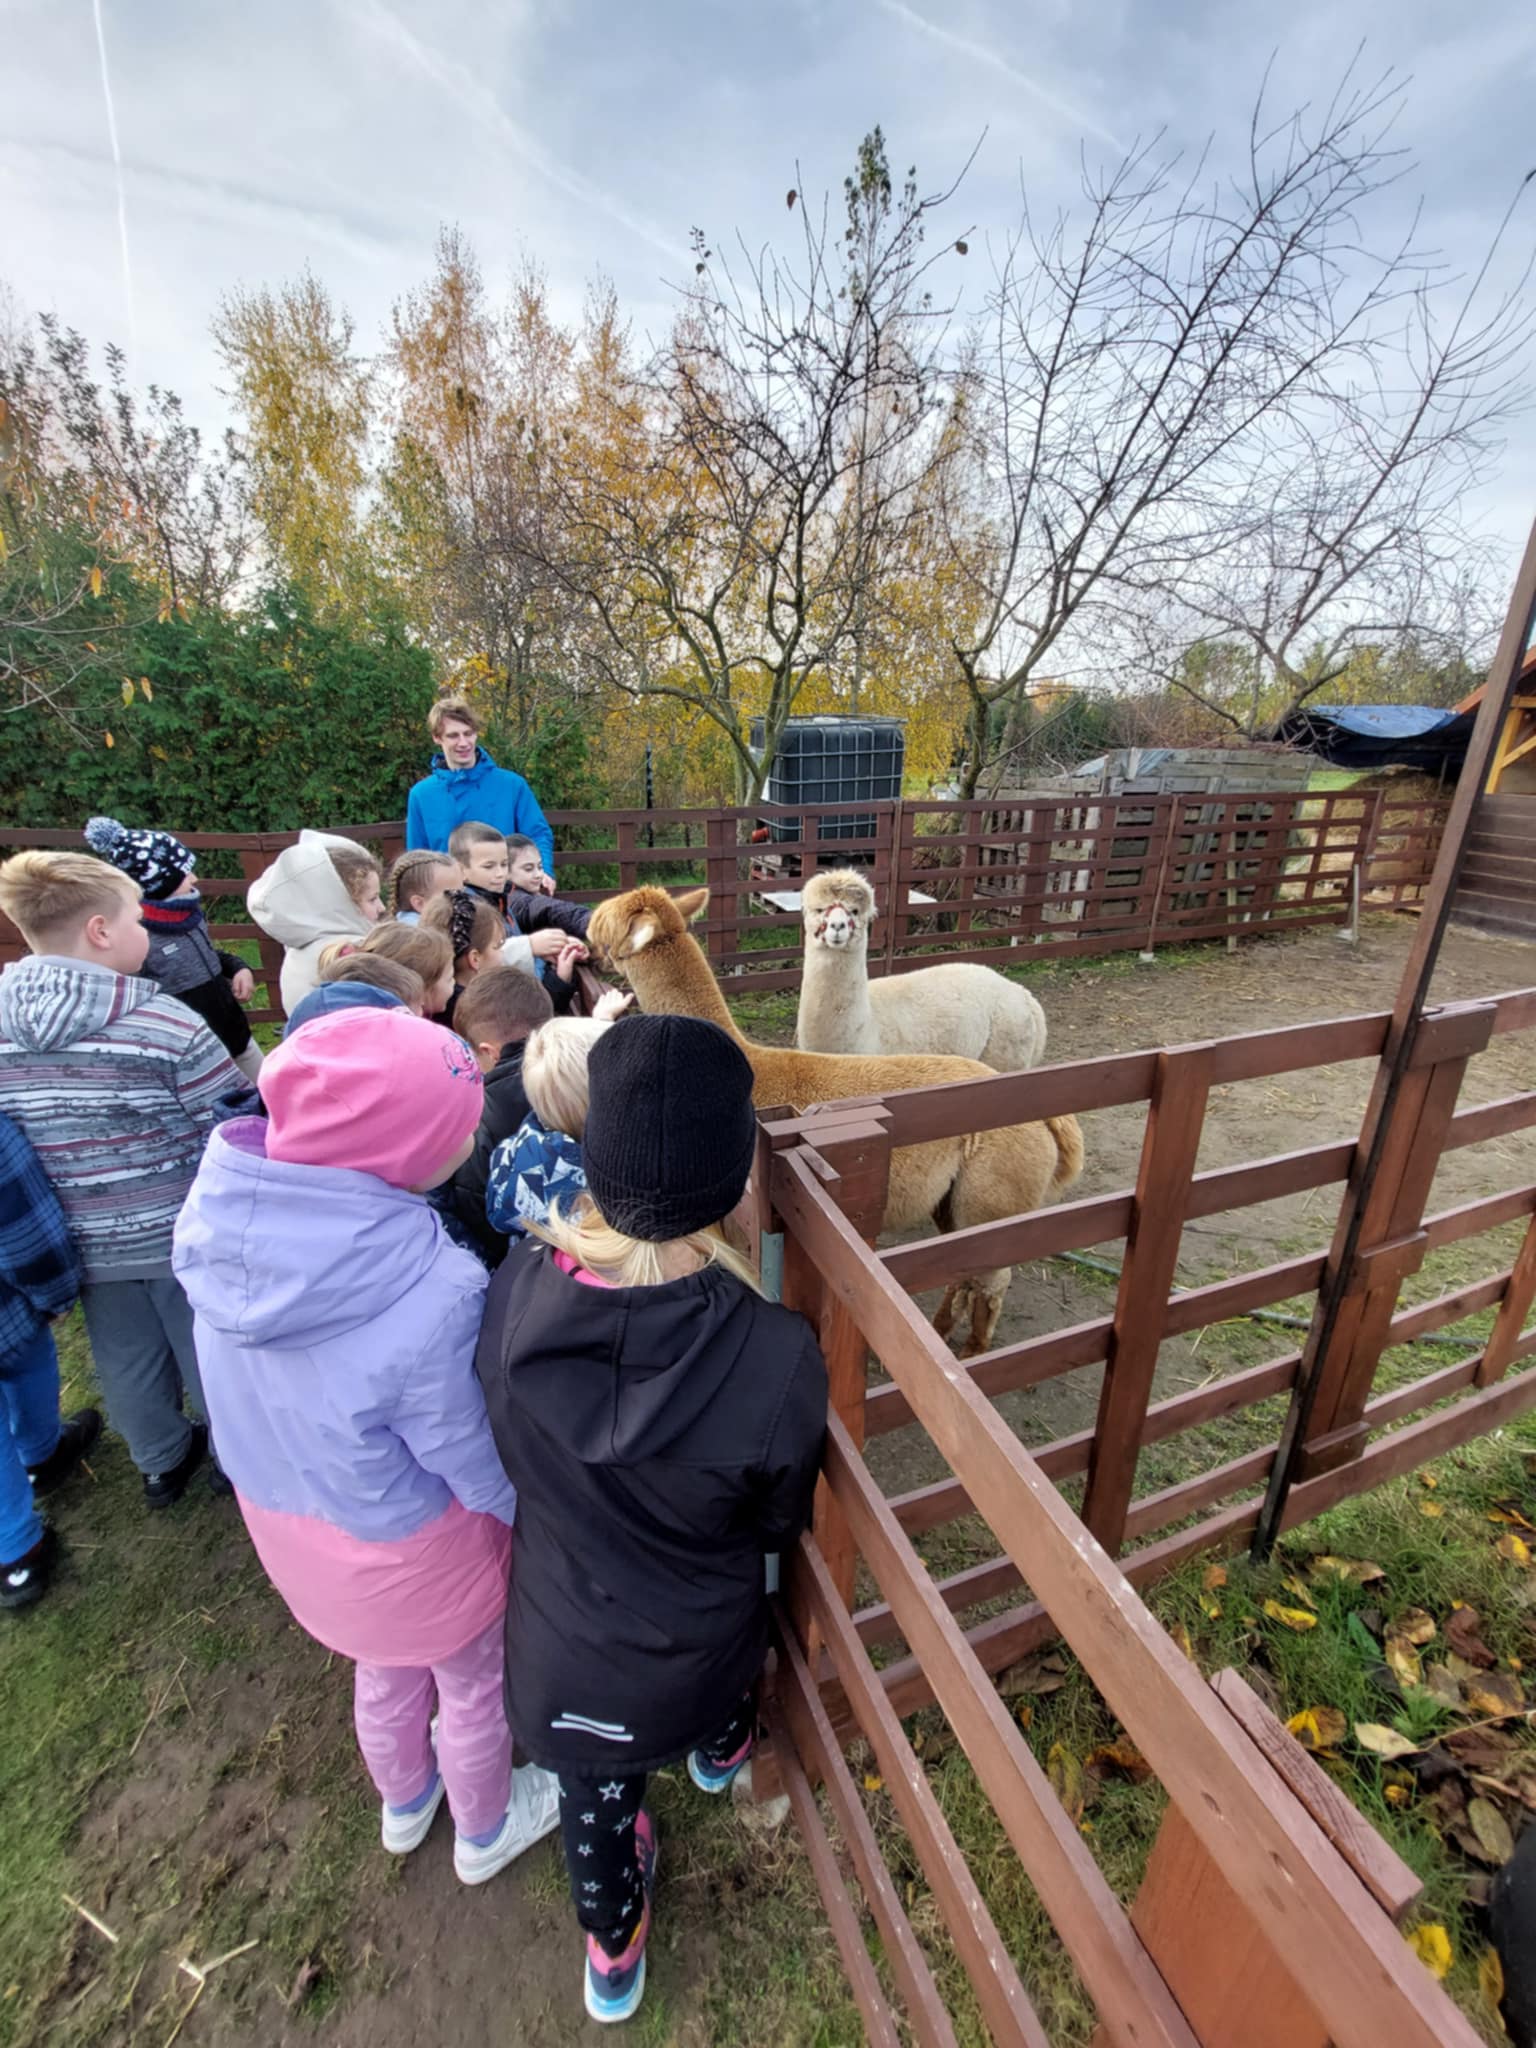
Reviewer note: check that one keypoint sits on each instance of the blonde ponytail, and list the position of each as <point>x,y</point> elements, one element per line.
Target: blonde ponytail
<point>583,1232</point>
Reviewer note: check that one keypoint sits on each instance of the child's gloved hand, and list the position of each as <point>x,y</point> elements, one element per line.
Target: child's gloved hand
<point>243,985</point>
<point>571,953</point>
<point>612,1004</point>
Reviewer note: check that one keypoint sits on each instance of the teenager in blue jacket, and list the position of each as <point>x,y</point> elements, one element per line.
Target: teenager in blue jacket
<point>465,783</point>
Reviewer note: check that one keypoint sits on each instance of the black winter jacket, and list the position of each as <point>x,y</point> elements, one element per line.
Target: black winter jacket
<point>503,1112</point>
<point>661,1440</point>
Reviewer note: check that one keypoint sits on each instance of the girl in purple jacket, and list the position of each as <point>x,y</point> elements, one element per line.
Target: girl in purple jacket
<point>336,1328</point>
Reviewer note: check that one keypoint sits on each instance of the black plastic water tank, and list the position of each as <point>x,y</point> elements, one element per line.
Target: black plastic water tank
<point>833,760</point>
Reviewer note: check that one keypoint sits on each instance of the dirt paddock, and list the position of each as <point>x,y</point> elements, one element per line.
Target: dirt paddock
<point>239,1813</point>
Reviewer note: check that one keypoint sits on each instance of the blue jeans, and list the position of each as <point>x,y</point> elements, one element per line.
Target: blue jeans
<point>29,1393</point>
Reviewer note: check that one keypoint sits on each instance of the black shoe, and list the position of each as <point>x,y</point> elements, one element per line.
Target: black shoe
<point>220,1485</point>
<point>24,1583</point>
<point>164,1489</point>
<point>77,1439</point>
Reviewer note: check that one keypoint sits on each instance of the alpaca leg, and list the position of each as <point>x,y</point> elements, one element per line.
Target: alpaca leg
<point>988,1292</point>
<point>944,1315</point>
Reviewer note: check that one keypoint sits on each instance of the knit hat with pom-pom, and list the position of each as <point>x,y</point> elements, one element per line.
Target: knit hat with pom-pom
<point>157,861</point>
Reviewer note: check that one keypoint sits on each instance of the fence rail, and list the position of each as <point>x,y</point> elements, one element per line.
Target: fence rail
<point>1267,1913</point>
<point>988,880</point>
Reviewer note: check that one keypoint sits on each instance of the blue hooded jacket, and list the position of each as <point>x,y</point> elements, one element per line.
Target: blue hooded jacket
<point>495,796</point>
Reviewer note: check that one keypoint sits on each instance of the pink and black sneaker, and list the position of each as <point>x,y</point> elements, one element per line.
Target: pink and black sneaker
<point>711,1776</point>
<point>615,1985</point>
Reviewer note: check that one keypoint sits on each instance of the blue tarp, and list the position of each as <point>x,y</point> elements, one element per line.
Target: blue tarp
<point>1381,735</point>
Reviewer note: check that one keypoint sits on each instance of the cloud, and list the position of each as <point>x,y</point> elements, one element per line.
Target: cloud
<point>481,104</point>
<point>995,61</point>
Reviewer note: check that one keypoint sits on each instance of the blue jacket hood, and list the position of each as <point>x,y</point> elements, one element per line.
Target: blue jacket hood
<point>332,996</point>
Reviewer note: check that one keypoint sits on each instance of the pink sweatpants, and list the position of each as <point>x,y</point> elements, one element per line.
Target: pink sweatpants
<point>392,1707</point>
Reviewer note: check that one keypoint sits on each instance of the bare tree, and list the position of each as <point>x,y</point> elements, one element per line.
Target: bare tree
<point>1199,379</point>
<point>733,510</point>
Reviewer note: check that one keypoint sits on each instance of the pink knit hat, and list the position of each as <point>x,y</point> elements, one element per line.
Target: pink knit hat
<point>379,1091</point>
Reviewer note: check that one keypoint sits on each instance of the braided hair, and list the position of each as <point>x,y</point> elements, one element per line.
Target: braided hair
<point>470,922</point>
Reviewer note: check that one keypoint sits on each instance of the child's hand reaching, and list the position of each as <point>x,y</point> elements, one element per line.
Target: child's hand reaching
<point>612,1004</point>
<point>571,953</point>
<point>545,884</point>
<point>550,944</point>
<point>243,985</point>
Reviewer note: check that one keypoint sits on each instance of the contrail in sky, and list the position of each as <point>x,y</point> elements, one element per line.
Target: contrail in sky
<point>117,165</point>
<point>995,62</point>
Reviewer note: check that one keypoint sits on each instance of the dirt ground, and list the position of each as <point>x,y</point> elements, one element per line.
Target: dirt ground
<point>240,1813</point>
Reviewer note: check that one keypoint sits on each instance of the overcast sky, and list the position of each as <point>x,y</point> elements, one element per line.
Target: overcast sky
<point>592,134</point>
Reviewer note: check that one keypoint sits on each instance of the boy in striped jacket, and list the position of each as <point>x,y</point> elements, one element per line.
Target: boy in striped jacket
<point>115,1083</point>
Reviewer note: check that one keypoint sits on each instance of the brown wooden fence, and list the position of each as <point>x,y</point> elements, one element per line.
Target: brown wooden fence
<point>1001,883</point>
<point>1266,1914</point>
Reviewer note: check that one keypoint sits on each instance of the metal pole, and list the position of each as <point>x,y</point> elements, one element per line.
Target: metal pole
<point>1503,677</point>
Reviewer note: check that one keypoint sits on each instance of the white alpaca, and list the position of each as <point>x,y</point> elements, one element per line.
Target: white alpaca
<point>961,1008</point>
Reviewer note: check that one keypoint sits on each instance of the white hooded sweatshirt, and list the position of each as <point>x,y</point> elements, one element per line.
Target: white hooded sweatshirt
<point>303,903</point>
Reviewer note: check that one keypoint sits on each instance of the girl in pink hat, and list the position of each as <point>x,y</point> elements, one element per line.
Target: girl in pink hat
<point>336,1327</point>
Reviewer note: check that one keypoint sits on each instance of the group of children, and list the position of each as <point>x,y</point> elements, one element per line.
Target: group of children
<point>528,1493</point>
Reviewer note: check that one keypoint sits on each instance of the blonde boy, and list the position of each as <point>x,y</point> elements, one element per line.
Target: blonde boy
<point>539,1167</point>
<point>114,1082</point>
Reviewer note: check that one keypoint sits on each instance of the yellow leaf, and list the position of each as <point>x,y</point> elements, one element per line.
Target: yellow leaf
<point>4,550</point>
<point>1292,1617</point>
<point>1382,1741</point>
<point>1428,1479</point>
<point>872,1783</point>
<point>1432,1509</point>
<point>160,754</point>
<point>1318,1727</point>
<point>1432,1946</point>
<point>1180,1635</point>
<point>109,739</point>
<point>1415,1625</point>
<point>1490,1979</point>
<point>1358,1570</point>
<point>1066,1776</point>
<point>1215,1578</point>
<point>1403,1659</point>
<point>149,695</point>
<point>127,690</point>
<point>1209,1607</point>
<point>95,583</point>
<point>1396,1795</point>
<point>1294,1585</point>
<point>1515,1549</point>
<point>1511,1515</point>
<point>1025,1714</point>
<point>1122,1758</point>
<point>1495,1694</point>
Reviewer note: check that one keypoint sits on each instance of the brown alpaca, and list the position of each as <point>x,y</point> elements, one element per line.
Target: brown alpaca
<point>951,1182</point>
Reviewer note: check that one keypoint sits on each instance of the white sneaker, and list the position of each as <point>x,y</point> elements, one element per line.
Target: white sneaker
<point>403,1832</point>
<point>533,1811</point>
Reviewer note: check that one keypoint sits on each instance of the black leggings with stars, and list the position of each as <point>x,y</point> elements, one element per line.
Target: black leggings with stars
<point>597,1824</point>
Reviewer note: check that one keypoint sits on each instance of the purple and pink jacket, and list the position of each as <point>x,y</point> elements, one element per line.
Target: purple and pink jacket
<point>336,1331</point>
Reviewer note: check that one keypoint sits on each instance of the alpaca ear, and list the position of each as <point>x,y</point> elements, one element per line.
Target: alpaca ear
<point>692,903</point>
<point>641,936</point>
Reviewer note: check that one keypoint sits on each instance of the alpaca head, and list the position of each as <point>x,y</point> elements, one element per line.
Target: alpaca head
<point>838,907</point>
<point>640,919</point>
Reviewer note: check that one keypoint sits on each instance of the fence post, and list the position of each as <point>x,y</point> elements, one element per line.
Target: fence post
<point>720,932</point>
<point>1513,1310</point>
<point>1355,1307</point>
<point>629,869</point>
<point>1175,1118</point>
<point>852,1155</point>
<point>898,915</point>
<point>1163,808</point>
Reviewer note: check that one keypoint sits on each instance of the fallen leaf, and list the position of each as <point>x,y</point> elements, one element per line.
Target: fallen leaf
<point>1066,1776</point>
<point>1495,1693</point>
<point>1396,1795</point>
<point>1215,1578</point>
<point>1462,1634</point>
<point>1524,1788</point>
<point>1180,1635</point>
<point>1416,1625</point>
<point>1432,1946</point>
<point>1318,1727</point>
<point>1294,1585</point>
<point>1038,1675</point>
<point>928,1747</point>
<point>1290,1617</point>
<point>1514,1549</point>
<point>1122,1759</point>
<point>1442,1686</point>
<point>1358,1570</point>
<point>1460,1668</point>
<point>872,1782</point>
<point>95,582</point>
<point>1428,1479</point>
<point>1210,1608</point>
<point>1432,1509</point>
<point>1403,1660</point>
<point>1491,1829</point>
<point>147,688</point>
<point>1479,1749</point>
<point>1505,1513</point>
<point>1381,1741</point>
<point>1024,1714</point>
<point>1490,1979</point>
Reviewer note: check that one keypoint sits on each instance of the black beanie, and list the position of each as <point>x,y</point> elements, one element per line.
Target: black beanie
<point>670,1130</point>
